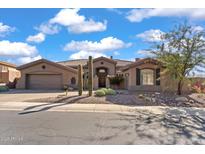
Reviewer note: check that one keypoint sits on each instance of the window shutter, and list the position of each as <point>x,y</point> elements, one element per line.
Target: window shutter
<point>137,76</point>
<point>158,76</point>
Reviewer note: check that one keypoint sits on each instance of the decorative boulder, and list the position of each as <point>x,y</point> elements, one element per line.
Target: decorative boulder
<point>181,99</point>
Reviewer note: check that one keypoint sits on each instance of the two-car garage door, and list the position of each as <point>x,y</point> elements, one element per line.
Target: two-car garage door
<point>44,81</point>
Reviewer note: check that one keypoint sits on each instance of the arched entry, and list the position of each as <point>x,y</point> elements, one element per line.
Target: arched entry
<point>102,74</point>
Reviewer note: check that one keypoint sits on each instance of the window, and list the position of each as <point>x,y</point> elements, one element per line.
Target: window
<point>43,67</point>
<point>101,70</point>
<point>147,77</point>
<point>73,81</point>
<point>4,69</point>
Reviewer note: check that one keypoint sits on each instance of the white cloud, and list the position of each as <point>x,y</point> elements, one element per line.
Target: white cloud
<point>197,28</point>
<point>67,17</point>
<point>5,29</point>
<point>77,23</point>
<point>96,49</point>
<point>116,53</point>
<point>144,53</point>
<point>24,60</point>
<point>8,48</point>
<point>47,28</point>
<point>137,15</point>
<point>18,52</point>
<point>88,26</point>
<point>106,44</point>
<point>38,38</point>
<point>115,10</point>
<point>153,35</point>
<point>86,54</point>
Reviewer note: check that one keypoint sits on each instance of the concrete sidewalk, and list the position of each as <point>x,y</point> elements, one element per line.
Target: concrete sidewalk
<point>30,107</point>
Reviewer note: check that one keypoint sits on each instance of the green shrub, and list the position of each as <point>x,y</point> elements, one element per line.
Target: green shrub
<point>110,92</point>
<point>100,93</point>
<point>3,88</point>
<point>105,91</point>
<point>116,80</point>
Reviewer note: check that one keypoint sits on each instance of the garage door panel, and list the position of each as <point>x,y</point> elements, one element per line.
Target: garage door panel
<point>44,81</point>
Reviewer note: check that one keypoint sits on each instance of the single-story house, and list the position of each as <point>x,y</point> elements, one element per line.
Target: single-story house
<point>141,74</point>
<point>8,72</point>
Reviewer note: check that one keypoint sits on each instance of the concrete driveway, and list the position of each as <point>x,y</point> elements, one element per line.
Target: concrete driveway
<point>24,95</point>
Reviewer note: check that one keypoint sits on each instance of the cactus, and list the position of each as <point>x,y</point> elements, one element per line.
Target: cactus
<point>90,76</point>
<point>80,80</point>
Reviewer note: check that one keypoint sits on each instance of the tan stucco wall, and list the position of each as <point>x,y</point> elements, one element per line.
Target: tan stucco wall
<point>50,69</point>
<point>13,74</point>
<point>167,83</point>
<point>9,75</point>
<point>131,82</point>
<point>106,64</point>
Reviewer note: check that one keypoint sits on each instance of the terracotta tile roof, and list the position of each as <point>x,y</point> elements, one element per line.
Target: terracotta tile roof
<point>123,62</point>
<point>74,63</point>
<point>7,64</point>
<point>45,61</point>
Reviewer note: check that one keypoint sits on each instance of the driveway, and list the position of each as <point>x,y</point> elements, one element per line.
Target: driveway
<point>144,126</point>
<point>24,95</point>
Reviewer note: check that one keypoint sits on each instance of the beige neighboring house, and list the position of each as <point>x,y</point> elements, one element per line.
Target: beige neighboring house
<point>141,74</point>
<point>8,72</point>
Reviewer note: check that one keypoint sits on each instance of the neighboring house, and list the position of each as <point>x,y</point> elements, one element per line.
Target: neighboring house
<point>8,73</point>
<point>141,74</point>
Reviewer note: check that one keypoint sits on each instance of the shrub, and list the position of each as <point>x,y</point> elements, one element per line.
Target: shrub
<point>116,80</point>
<point>198,87</point>
<point>110,92</point>
<point>105,91</point>
<point>3,88</point>
<point>100,93</point>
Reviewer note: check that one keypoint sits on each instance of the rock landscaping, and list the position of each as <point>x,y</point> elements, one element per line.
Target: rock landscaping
<point>131,99</point>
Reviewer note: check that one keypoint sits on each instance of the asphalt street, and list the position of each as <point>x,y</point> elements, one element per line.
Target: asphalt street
<point>142,127</point>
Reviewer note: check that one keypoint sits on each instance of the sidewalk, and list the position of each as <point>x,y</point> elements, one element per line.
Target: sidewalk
<point>29,107</point>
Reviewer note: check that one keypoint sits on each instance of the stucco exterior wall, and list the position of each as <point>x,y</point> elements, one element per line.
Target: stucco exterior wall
<point>106,64</point>
<point>9,74</point>
<point>131,79</point>
<point>49,69</point>
<point>167,83</point>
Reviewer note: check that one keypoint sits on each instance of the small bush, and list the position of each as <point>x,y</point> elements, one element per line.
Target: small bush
<point>100,93</point>
<point>198,87</point>
<point>3,88</point>
<point>105,91</point>
<point>110,92</point>
<point>116,80</point>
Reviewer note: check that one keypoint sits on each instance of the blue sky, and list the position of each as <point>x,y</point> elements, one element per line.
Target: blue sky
<point>62,34</point>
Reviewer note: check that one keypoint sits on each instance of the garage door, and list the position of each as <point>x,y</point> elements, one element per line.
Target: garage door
<point>44,81</point>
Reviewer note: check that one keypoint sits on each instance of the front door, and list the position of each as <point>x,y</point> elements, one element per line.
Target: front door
<point>102,74</point>
<point>102,82</point>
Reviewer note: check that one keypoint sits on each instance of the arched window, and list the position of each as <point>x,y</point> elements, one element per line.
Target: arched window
<point>73,81</point>
<point>147,77</point>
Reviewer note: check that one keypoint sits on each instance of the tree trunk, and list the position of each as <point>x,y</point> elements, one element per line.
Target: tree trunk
<point>179,88</point>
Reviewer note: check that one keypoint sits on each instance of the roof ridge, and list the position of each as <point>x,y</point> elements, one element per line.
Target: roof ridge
<point>70,60</point>
<point>8,64</point>
<point>124,60</point>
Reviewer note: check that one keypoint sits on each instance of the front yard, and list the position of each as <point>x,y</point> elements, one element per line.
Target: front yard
<point>130,98</point>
